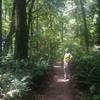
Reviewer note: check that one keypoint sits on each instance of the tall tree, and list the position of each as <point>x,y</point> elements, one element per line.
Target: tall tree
<point>21,37</point>
<point>98,23</point>
<point>30,14</point>
<point>8,41</point>
<point>85,24</point>
<point>0,28</point>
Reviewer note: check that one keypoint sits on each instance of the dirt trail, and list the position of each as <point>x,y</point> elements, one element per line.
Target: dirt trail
<point>59,88</point>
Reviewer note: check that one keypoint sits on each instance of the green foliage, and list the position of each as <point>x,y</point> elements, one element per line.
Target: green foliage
<point>74,46</point>
<point>87,69</point>
<point>44,46</point>
<point>16,77</point>
<point>96,97</point>
<point>52,29</point>
<point>41,75</point>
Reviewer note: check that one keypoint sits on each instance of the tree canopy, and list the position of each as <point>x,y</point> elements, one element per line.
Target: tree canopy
<point>35,33</point>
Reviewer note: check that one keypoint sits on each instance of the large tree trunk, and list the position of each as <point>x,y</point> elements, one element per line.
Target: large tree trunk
<point>21,38</point>
<point>0,28</point>
<point>98,23</point>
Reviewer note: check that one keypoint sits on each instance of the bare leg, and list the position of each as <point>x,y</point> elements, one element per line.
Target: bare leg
<point>65,76</point>
<point>66,70</point>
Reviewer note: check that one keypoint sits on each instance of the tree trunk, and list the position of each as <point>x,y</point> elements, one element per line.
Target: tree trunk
<point>77,17</point>
<point>98,23</point>
<point>30,14</point>
<point>85,26</point>
<point>0,28</point>
<point>62,33</point>
<point>21,37</point>
<point>8,41</point>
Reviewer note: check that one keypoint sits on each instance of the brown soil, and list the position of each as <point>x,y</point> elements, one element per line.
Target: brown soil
<point>59,89</point>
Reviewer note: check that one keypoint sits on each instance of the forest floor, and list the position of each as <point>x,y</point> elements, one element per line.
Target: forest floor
<point>59,88</point>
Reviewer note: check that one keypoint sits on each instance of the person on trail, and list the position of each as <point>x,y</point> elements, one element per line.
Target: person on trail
<point>67,59</point>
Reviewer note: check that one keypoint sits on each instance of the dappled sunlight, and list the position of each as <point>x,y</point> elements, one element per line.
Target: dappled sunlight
<point>57,66</point>
<point>49,48</point>
<point>59,89</point>
<point>62,80</point>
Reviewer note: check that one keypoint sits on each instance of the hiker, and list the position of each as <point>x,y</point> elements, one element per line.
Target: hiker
<point>67,59</point>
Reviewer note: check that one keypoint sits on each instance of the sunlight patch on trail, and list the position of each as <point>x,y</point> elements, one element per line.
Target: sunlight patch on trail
<point>62,80</point>
<point>57,66</point>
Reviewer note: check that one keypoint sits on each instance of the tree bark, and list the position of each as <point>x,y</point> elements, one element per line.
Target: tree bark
<point>0,28</point>
<point>98,23</point>
<point>85,25</point>
<point>30,14</point>
<point>62,33</point>
<point>22,35</point>
<point>8,41</point>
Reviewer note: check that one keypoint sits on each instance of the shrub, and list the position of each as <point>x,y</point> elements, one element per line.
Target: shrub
<point>41,75</point>
<point>87,69</point>
<point>16,77</point>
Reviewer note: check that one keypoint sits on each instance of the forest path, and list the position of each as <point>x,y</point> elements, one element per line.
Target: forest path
<point>59,88</point>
